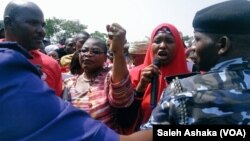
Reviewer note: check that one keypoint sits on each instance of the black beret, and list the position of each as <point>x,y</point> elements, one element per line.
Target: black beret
<point>231,17</point>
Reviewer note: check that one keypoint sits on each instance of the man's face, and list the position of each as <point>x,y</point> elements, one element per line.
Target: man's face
<point>70,45</point>
<point>28,28</point>
<point>206,53</point>
<point>80,41</point>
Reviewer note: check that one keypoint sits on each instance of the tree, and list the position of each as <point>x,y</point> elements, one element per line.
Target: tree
<point>100,35</point>
<point>57,28</point>
<point>52,27</point>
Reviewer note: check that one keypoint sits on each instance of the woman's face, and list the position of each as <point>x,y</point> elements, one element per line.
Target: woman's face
<point>164,47</point>
<point>92,56</point>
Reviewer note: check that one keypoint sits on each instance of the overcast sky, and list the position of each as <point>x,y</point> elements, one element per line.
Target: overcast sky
<point>138,17</point>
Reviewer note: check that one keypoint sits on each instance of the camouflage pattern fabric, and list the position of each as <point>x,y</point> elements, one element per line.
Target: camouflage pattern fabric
<point>220,96</point>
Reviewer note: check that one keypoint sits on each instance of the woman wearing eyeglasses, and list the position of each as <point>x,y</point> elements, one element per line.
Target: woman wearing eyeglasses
<point>100,90</point>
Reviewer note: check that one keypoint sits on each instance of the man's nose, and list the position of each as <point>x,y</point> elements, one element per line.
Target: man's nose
<point>41,30</point>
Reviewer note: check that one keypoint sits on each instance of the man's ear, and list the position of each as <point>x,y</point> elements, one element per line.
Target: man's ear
<point>224,44</point>
<point>7,22</point>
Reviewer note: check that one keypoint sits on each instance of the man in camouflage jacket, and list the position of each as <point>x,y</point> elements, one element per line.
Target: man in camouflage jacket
<point>221,95</point>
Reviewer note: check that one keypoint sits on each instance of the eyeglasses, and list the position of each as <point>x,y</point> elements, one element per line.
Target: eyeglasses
<point>91,51</point>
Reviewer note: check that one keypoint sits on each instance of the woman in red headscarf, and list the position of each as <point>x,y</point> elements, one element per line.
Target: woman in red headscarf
<point>167,47</point>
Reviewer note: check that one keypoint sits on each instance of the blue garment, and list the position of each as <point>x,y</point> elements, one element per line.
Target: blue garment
<point>30,111</point>
<point>220,96</point>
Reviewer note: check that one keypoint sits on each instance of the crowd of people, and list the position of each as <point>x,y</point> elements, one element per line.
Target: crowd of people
<point>85,88</point>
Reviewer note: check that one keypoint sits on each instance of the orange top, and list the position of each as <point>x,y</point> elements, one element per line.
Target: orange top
<point>50,68</point>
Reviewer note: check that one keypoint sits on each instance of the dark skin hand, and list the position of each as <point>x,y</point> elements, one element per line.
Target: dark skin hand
<point>146,77</point>
<point>117,39</point>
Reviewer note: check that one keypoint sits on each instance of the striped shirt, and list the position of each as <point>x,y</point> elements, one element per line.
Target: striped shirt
<point>100,96</point>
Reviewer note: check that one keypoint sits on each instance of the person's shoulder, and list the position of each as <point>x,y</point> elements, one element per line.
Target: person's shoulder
<point>169,79</point>
<point>13,55</point>
<point>48,64</point>
<point>70,81</point>
<point>196,81</point>
<point>14,48</point>
<point>39,56</point>
<point>68,56</point>
<point>177,84</point>
<point>9,56</point>
<point>66,59</point>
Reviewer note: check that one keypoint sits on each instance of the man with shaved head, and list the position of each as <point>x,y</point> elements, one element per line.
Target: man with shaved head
<point>29,110</point>
<point>24,24</point>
